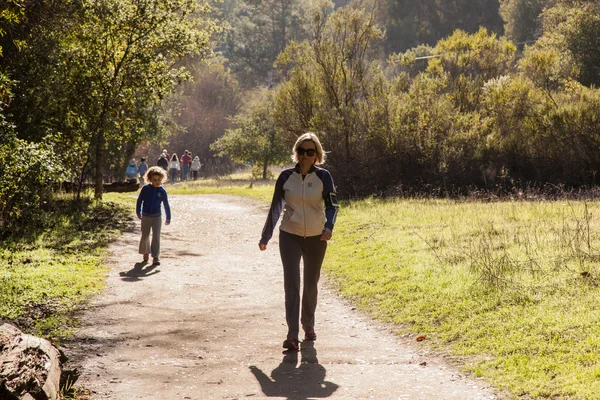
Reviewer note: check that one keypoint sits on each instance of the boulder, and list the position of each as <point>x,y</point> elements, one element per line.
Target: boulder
<point>30,367</point>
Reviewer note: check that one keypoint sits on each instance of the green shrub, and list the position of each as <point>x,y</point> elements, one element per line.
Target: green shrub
<point>28,172</point>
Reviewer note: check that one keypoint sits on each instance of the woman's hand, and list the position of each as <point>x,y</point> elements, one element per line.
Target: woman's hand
<point>262,246</point>
<point>139,216</point>
<point>167,223</point>
<point>326,235</point>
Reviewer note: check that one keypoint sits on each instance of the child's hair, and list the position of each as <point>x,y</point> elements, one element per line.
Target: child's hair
<point>143,159</point>
<point>155,171</point>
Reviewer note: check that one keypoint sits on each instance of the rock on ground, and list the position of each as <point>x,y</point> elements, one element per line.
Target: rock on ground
<point>30,367</point>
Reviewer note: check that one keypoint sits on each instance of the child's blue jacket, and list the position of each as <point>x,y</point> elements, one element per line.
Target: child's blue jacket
<point>149,200</point>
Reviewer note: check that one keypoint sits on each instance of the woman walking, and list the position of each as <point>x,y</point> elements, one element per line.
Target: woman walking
<point>308,194</point>
<point>174,167</point>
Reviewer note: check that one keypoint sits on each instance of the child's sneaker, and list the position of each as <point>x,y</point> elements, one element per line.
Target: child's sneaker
<point>309,334</point>
<point>291,344</point>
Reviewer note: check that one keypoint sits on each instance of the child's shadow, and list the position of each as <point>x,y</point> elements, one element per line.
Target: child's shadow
<point>293,382</point>
<point>138,271</point>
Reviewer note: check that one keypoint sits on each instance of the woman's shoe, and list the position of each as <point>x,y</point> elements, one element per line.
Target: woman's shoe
<point>309,334</point>
<point>291,344</point>
<point>146,257</point>
<point>155,261</point>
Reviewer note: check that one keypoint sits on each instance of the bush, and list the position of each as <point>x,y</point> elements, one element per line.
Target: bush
<point>28,171</point>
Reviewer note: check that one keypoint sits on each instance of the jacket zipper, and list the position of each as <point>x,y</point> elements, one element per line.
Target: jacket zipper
<point>303,210</point>
<point>153,198</point>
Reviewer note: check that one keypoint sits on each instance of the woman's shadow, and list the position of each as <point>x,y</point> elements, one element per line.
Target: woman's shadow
<point>138,271</point>
<point>296,382</point>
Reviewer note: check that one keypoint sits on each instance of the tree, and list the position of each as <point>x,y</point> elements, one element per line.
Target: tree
<point>95,73</point>
<point>27,181</point>
<point>130,51</point>
<point>9,17</point>
<point>572,28</point>
<point>255,138</point>
<point>522,21</point>
<point>467,61</point>
<point>208,104</point>
<point>258,31</point>
<point>409,23</point>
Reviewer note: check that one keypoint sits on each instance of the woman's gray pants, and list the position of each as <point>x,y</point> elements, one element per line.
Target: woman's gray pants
<point>148,223</point>
<point>312,251</point>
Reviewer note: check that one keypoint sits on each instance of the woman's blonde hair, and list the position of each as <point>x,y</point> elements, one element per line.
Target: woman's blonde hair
<point>155,171</point>
<point>313,138</point>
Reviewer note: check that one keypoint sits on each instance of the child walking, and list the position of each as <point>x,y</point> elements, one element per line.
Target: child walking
<point>149,211</point>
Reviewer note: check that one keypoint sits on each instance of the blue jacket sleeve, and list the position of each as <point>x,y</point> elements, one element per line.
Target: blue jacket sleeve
<point>138,204</point>
<point>275,210</point>
<point>330,197</point>
<point>167,206</point>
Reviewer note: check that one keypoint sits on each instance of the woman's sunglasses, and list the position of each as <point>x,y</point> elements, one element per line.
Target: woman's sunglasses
<point>309,152</point>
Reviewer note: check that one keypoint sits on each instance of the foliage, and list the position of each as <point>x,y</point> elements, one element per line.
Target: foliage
<point>473,116</point>
<point>417,126</point>
<point>255,139</point>
<point>466,62</point>
<point>521,19</point>
<point>97,82</point>
<point>28,172</point>
<point>129,51</point>
<point>412,61</point>
<point>409,23</point>
<point>573,29</point>
<point>10,15</point>
<point>257,32</point>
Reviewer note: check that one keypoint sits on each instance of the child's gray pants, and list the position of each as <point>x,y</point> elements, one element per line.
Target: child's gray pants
<point>148,223</point>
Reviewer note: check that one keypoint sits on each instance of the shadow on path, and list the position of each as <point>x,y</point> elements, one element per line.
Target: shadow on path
<point>138,271</point>
<point>296,382</point>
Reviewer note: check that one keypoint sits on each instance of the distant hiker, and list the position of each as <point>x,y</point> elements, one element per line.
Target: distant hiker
<point>148,209</point>
<point>308,194</point>
<point>142,168</point>
<point>132,170</point>
<point>196,167</point>
<point>163,162</point>
<point>186,160</point>
<point>174,167</point>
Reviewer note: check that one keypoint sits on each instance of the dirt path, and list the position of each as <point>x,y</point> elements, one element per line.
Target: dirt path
<point>209,322</point>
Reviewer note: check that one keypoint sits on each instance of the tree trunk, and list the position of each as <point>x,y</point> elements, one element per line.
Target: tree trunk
<point>99,178</point>
<point>265,166</point>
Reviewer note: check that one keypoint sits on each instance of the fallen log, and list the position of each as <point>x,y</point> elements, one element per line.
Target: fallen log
<point>128,186</point>
<point>125,186</point>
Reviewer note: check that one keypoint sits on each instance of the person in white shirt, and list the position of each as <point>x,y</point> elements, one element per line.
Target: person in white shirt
<point>196,167</point>
<point>174,167</point>
<point>309,197</point>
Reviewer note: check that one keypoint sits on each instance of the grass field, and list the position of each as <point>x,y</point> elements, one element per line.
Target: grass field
<point>239,184</point>
<point>44,278</point>
<point>508,289</point>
